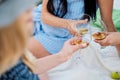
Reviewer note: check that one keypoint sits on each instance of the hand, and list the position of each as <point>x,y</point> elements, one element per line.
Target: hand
<point>69,49</point>
<point>113,38</point>
<point>72,24</point>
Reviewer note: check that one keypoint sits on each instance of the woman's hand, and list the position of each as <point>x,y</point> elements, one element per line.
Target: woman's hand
<point>72,24</point>
<point>69,49</point>
<point>113,38</point>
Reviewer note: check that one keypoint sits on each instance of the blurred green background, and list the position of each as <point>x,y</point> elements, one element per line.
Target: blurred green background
<point>116,19</point>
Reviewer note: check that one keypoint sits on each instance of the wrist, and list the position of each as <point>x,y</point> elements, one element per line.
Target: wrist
<point>109,24</point>
<point>68,23</point>
<point>62,57</point>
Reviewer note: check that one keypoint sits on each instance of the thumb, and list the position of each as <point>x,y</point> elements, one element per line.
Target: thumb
<point>81,46</point>
<point>84,45</point>
<point>82,21</point>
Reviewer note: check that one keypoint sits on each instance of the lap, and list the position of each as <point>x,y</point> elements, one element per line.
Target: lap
<point>36,48</point>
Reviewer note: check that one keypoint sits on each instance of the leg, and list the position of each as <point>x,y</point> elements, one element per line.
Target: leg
<point>36,48</point>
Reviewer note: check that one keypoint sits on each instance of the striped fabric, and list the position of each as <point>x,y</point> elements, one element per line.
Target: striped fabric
<point>53,38</point>
<point>19,72</point>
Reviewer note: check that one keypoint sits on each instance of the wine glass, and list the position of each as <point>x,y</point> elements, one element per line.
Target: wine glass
<point>84,30</point>
<point>103,26</point>
<point>103,29</point>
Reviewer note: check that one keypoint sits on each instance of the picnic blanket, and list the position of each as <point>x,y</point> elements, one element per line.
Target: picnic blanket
<point>92,63</point>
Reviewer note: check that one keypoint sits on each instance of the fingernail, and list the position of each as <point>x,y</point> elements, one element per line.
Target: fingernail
<point>84,45</point>
<point>80,38</point>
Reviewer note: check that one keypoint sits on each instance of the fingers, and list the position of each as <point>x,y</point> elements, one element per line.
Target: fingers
<point>81,46</point>
<point>74,39</point>
<point>106,41</point>
<point>73,24</point>
<point>71,30</point>
<point>102,42</point>
<point>78,44</point>
<point>78,35</point>
<point>107,33</point>
<point>78,39</point>
<point>84,45</point>
<point>99,42</point>
<point>82,21</point>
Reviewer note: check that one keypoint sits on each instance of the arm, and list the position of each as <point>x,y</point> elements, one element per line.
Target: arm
<point>50,19</point>
<point>54,21</point>
<point>47,63</point>
<point>106,13</point>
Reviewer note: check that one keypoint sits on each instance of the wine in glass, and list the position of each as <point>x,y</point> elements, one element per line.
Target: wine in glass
<point>84,30</point>
<point>100,35</point>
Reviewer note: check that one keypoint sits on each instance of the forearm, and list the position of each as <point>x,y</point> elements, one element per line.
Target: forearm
<point>110,25</point>
<point>106,13</point>
<point>50,19</point>
<point>54,21</point>
<point>49,62</point>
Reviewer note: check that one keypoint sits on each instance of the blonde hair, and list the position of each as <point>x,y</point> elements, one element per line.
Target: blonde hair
<point>13,41</point>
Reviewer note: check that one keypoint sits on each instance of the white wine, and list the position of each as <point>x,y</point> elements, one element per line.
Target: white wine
<point>83,31</point>
<point>99,36</point>
<point>78,42</point>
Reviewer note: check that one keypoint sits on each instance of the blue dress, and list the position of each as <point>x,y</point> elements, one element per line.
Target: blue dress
<point>19,72</point>
<point>53,38</point>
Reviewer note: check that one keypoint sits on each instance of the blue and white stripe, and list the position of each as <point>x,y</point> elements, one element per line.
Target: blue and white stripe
<point>53,38</point>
